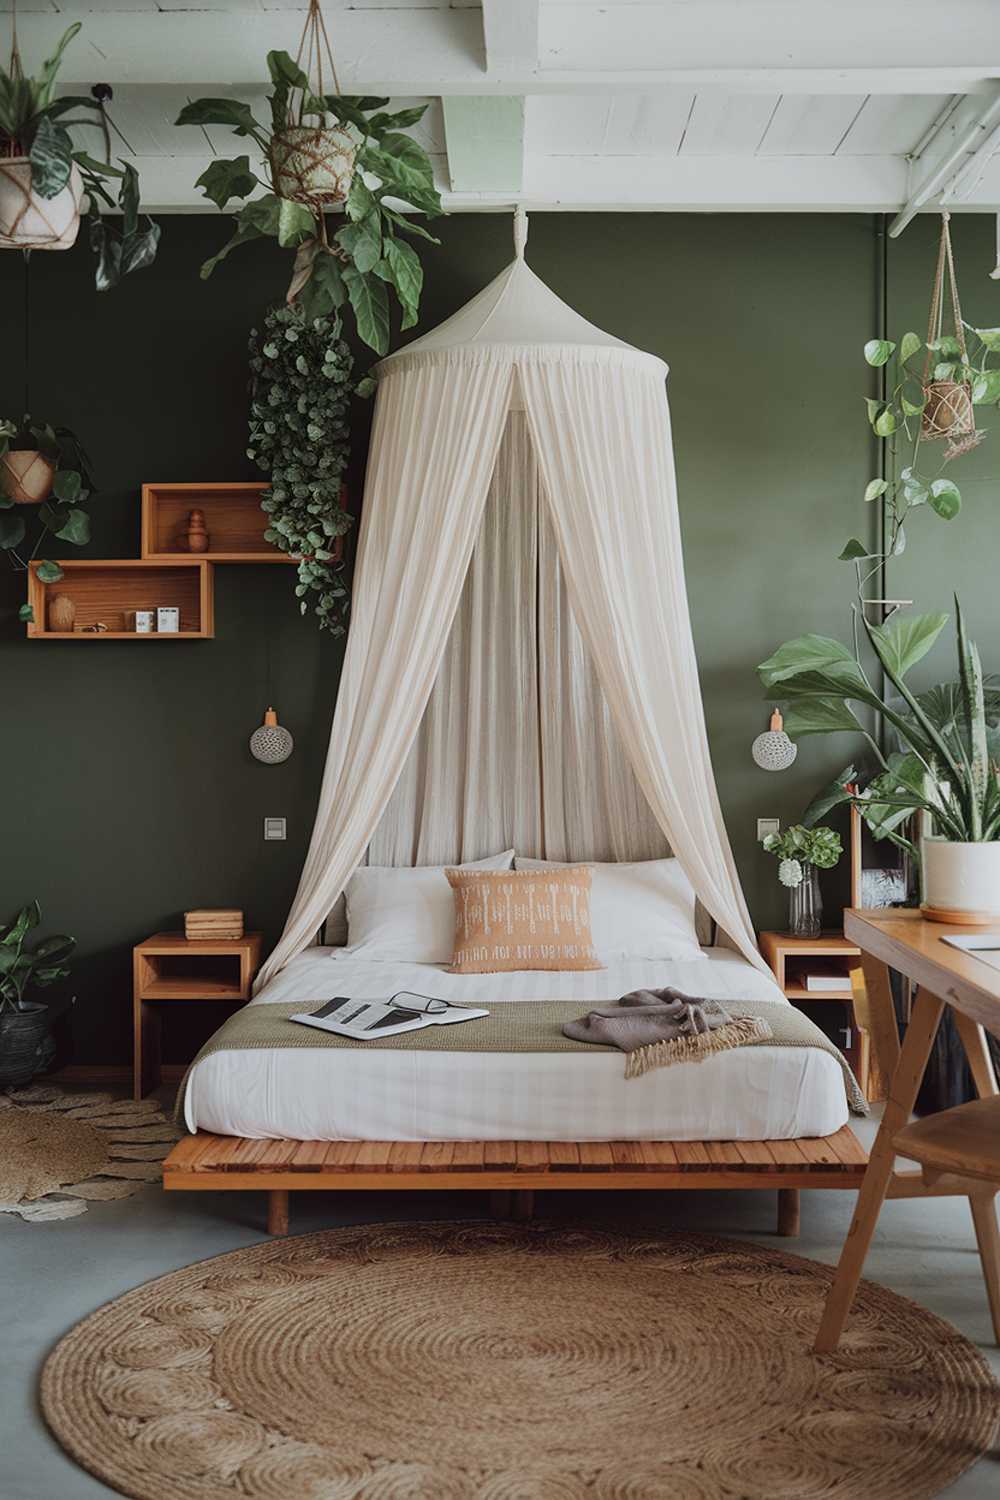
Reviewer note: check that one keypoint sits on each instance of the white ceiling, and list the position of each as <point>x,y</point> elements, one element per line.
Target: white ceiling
<point>857,105</point>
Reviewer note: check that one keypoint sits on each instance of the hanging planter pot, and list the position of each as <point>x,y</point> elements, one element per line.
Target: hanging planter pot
<point>313,166</point>
<point>30,222</point>
<point>948,410</point>
<point>26,476</point>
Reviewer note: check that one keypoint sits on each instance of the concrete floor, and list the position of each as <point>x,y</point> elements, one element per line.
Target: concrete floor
<point>52,1275</point>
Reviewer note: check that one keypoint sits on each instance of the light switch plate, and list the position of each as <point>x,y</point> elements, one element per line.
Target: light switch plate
<point>767,826</point>
<point>274,828</point>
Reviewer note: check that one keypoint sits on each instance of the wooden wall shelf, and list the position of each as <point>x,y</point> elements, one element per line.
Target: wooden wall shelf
<point>105,590</point>
<point>233,519</point>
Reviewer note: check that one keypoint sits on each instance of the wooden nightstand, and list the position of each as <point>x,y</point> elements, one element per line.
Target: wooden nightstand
<point>168,966</point>
<point>792,958</point>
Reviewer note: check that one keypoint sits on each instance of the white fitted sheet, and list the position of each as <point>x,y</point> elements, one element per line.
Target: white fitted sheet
<point>749,1093</point>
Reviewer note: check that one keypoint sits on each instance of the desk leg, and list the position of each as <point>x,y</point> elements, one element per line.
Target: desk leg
<point>903,1088</point>
<point>983,1206</point>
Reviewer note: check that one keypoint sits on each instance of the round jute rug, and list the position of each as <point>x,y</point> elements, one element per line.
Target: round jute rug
<point>513,1362</point>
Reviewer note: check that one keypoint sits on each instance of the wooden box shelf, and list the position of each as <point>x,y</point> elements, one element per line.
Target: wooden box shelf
<point>792,958</point>
<point>106,590</point>
<point>233,519</point>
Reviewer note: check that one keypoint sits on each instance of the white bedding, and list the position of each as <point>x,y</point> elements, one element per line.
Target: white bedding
<point>750,1093</point>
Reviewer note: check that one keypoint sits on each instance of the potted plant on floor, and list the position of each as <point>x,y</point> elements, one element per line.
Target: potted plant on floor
<point>25,1043</point>
<point>43,178</point>
<point>44,485</point>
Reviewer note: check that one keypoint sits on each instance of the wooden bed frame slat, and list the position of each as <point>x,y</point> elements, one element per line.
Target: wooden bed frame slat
<point>513,1170</point>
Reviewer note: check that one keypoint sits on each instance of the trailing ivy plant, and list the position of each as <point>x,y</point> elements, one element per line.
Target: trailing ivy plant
<point>34,124</point>
<point>301,389</point>
<point>370,252</point>
<point>61,514</point>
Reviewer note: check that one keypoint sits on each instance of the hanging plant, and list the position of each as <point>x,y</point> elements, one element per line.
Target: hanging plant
<point>948,410</point>
<point>327,151</point>
<point>44,485</point>
<point>301,388</point>
<point>43,179</point>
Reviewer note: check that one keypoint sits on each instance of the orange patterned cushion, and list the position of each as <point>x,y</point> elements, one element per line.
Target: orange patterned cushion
<point>522,919</point>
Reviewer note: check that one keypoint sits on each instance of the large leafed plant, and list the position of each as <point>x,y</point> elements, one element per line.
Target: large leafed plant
<point>949,763</point>
<point>380,169</point>
<point>36,124</point>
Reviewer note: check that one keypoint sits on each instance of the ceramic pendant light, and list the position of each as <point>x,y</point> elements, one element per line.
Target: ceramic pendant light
<point>773,750</point>
<point>271,743</point>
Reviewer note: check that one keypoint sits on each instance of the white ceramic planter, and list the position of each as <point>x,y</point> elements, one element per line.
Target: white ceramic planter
<point>962,877</point>
<point>28,222</point>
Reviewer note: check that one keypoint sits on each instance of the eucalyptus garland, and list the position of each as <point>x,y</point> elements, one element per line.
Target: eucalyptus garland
<point>301,388</point>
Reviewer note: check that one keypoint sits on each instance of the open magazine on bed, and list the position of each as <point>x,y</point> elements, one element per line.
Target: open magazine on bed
<point>366,1020</point>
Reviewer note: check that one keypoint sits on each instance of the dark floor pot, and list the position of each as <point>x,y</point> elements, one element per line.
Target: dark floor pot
<point>25,1043</point>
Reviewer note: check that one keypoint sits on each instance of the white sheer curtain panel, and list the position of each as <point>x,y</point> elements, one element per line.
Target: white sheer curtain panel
<point>434,448</point>
<point>606,461</point>
<point>470,786</point>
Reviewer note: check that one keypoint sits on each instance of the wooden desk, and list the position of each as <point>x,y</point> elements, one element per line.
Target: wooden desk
<point>902,940</point>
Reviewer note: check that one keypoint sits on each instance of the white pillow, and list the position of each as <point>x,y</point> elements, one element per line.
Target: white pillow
<point>644,910</point>
<point>406,915</point>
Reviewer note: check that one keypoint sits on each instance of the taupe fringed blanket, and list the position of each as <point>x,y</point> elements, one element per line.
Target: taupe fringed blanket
<point>660,1027</point>
<point>511,1026</point>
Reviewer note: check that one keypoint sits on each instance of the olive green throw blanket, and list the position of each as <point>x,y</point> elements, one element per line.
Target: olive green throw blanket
<point>511,1026</point>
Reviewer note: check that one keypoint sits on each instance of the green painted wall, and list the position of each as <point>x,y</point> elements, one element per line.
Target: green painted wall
<point>128,790</point>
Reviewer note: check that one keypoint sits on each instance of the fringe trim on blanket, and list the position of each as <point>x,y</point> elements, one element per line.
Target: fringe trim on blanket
<point>696,1048</point>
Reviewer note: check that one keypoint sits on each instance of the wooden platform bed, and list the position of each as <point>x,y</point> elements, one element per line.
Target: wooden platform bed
<point>512,1170</point>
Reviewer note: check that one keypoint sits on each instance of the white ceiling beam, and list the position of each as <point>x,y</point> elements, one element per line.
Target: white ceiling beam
<point>510,30</point>
<point>966,133</point>
<point>814,184</point>
<point>419,50</point>
<point>485,142</point>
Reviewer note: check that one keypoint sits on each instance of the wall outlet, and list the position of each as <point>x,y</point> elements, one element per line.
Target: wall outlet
<point>274,828</point>
<point>766,826</point>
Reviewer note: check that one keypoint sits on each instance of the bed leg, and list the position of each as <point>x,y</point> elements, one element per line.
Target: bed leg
<point>500,1204</point>
<point>788,1212</point>
<point>524,1203</point>
<point>277,1211</point>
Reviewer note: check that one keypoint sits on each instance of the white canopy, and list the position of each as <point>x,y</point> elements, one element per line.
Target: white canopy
<point>598,420</point>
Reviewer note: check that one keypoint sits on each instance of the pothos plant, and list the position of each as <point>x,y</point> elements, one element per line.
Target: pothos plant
<point>61,512</point>
<point>300,391</point>
<point>912,478</point>
<point>37,125</point>
<point>322,151</point>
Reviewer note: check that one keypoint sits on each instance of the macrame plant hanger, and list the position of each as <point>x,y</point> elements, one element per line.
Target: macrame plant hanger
<point>313,164</point>
<point>948,411</point>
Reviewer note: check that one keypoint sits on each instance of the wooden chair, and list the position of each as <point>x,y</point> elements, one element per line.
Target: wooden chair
<point>965,1142</point>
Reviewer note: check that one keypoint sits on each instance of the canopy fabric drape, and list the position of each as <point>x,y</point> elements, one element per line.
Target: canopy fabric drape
<point>604,449</point>
<point>598,419</point>
<point>434,446</point>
